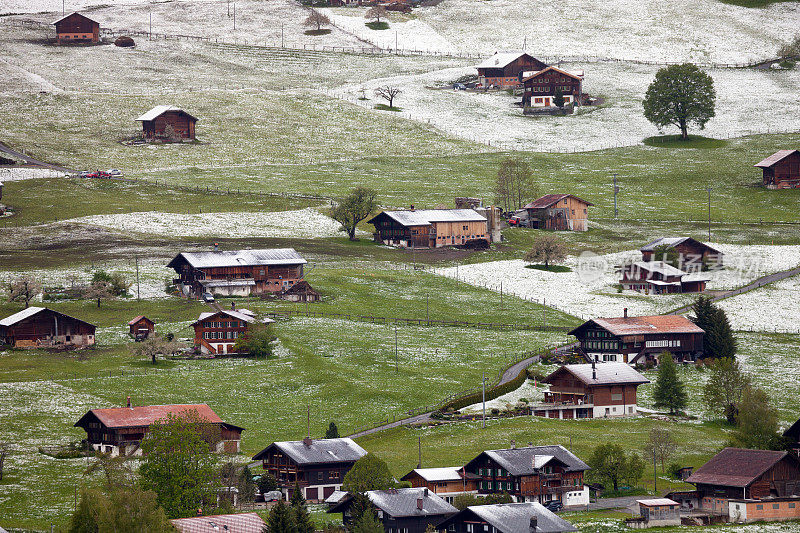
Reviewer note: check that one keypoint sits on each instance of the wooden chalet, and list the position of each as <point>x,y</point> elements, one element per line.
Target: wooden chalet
<point>407,510</point>
<point>141,327</point>
<point>559,212</point>
<point>532,474</point>
<point>430,228</point>
<point>528,517</point>
<point>77,28</point>
<point>237,273</point>
<point>542,86</point>
<point>593,390</point>
<point>637,339</point>
<point>216,332</point>
<point>302,291</point>
<point>155,122</point>
<point>505,70</point>
<point>658,277</point>
<point>231,523</point>
<point>40,327</point>
<point>447,482</point>
<point>693,255</point>
<point>119,431</point>
<point>734,478</point>
<point>781,170</point>
<point>317,466</point>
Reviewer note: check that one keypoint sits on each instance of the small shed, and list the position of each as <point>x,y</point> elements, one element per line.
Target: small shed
<point>656,512</point>
<point>77,28</point>
<point>141,327</point>
<point>302,291</point>
<point>157,123</point>
<point>781,170</point>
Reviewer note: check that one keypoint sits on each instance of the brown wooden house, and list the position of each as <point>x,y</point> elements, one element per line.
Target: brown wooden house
<point>155,122</point>
<point>505,70</point>
<point>658,277</point>
<point>77,28</point>
<point>595,390</point>
<point>316,466</point>
<point>120,430</point>
<point>532,474</point>
<point>637,339</point>
<point>692,254</point>
<point>141,327</point>
<point>215,333</point>
<point>39,327</point>
<point>541,87</point>
<point>781,170</point>
<point>302,291</point>
<point>559,212</point>
<point>430,228</point>
<point>740,474</point>
<point>237,273</point>
<point>447,482</point>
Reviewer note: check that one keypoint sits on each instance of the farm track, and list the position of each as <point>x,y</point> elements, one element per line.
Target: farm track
<point>30,160</point>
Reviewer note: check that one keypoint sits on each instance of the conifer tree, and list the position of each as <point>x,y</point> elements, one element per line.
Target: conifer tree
<point>300,517</point>
<point>367,523</point>
<point>669,391</point>
<point>332,432</point>
<point>280,519</point>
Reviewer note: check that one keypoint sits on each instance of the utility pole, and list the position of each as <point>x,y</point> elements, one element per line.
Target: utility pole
<point>483,395</point>
<point>396,367</point>
<point>655,476</point>
<point>544,311</point>
<point>282,36</point>
<point>427,309</point>
<point>63,7</point>
<point>137,279</point>
<point>395,42</point>
<point>419,452</point>
<point>616,190</point>
<point>229,8</point>
<point>234,16</point>
<point>501,295</point>
<point>524,43</point>
<point>151,22</point>
<point>709,212</point>
<point>308,419</point>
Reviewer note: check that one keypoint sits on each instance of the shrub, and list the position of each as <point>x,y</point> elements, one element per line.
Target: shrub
<point>124,41</point>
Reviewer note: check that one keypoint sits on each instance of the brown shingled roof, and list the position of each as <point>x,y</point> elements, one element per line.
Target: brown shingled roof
<point>146,415</point>
<point>736,467</point>
<point>549,199</point>
<point>774,158</point>
<point>644,325</point>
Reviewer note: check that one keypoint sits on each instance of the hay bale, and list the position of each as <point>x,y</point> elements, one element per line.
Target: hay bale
<point>124,41</point>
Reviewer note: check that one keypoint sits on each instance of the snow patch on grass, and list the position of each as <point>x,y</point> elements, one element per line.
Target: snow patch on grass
<point>27,173</point>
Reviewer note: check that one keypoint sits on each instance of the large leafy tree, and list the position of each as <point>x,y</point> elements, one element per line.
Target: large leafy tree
<point>725,387</point>
<point>680,95</point>
<point>547,249</point>
<point>257,341</point>
<point>669,392</point>
<point>23,289</point>
<point>757,423</point>
<point>368,473</point>
<point>660,445</point>
<point>179,465</point>
<point>610,464</point>
<point>354,208</point>
<point>514,184</point>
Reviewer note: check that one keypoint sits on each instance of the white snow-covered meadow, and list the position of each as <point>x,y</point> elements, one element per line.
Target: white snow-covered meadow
<point>774,307</point>
<point>27,173</point>
<point>527,390</point>
<point>305,223</point>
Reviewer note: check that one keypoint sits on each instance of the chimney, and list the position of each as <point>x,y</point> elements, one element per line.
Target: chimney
<point>412,207</point>
<point>307,442</point>
<point>216,247</point>
<point>534,523</point>
<point>513,444</point>
<point>233,306</point>
<point>419,503</point>
<point>129,402</point>
<point>625,312</point>
<point>425,492</point>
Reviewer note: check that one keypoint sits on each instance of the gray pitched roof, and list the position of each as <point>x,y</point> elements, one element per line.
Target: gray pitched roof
<point>516,518</point>
<point>234,258</point>
<point>423,217</point>
<point>520,461</point>
<point>671,242</point>
<point>499,59</point>
<point>159,110</point>
<point>403,502</point>
<point>242,314</point>
<point>319,451</point>
<point>603,373</point>
<point>446,473</point>
<point>29,312</point>
<point>774,158</point>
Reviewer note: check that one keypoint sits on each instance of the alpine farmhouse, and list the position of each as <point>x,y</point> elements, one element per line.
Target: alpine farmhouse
<point>505,70</point>
<point>77,28</point>
<point>559,212</point>
<point>216,332</point>
<point>430,228</point>
<point>541,87</point>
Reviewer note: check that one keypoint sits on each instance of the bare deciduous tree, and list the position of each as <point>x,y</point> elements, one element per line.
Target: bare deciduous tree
<point>98,290</point>
<point>23,289</point>
<point>515,184</point>
<point>376,13</point>
<point>317,19</point>
<point>660,445</point>
<point>3,453</point>
<point>154,346</point>
<point>547,249</point>
<point>388,93</point>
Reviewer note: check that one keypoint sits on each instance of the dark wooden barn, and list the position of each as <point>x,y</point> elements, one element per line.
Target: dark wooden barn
<point>157,122</point>
<point>406,510</point>
<point>531,517</point>
<point>692,254</point>
<point>542,86</point>
<point>120,430</point>
<point>141,327</point>
<point>781,170</point>
<point>39,327</point>
<point>77,28</point>
<point>565,212</point>
<point>506,69</point>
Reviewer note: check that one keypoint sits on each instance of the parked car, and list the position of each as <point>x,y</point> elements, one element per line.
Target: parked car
<point>516,222</point>
<point>102,174</point>
<point>459,87</point>
<point>554,506</point>
<point>208,297</point>
<point>116,173</point>
<point>273,496</point>
<point>84,174</point>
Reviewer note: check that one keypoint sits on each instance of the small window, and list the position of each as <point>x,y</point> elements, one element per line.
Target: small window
<point>791,505</point>
<point>776,506</point>
<point>759,507</point>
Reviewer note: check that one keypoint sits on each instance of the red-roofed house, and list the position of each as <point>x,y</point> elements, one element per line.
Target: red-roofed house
<point>559,212</point>
<point>232,523</point>
<point>781,170</point>
<point>735,478</point>
<point>141,327</point>
<point>637,339</point>
<point>542,86</point>
<point>120,430</point>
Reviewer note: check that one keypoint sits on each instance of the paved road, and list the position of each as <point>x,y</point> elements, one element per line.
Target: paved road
<point>613,503</point>
<point>31,161</point>
<point>759,282</point>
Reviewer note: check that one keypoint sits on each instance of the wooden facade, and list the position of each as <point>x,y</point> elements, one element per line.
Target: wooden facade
<point>156,121</point>
<point>39,327</point>
<point>639,339</point>
<point>77,28</point>
<point>541,87</point>
<point>444,482</point>
<point>141,327</point>
<point>559,212</point>
<point>430,228</point>
<point>216,333</point>
<point>781,170</point>
<point>506,70</point>
<point>658,277</point>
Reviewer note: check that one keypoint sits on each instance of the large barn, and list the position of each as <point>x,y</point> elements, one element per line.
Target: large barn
<point>559,212</point>
<point>430,228</point>
<point>505,70</point>
<point>155,122</point>
<point>39,327</point>
<point>77,28</point>
<point>781,170</point>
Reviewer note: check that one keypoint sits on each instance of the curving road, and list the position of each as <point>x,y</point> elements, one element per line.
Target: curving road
<point>4,148</point>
